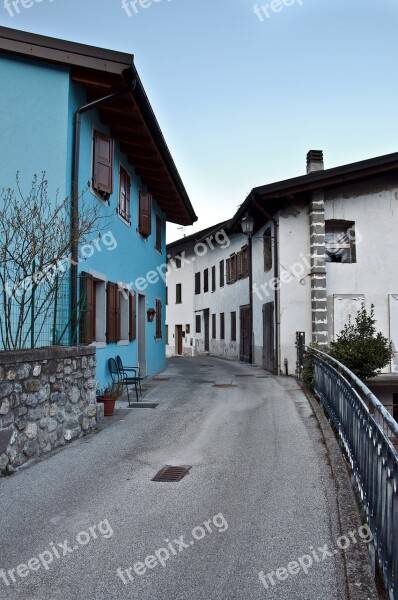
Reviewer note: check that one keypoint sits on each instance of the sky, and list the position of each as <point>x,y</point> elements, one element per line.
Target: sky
<point>241,90</point>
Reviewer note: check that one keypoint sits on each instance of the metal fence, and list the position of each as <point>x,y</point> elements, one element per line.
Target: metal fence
<point>369,436</point>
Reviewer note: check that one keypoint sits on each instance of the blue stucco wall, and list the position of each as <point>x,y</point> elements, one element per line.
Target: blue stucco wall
<point>133,256</point>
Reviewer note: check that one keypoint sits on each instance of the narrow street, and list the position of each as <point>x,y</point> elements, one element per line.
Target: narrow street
<point>258,496</point>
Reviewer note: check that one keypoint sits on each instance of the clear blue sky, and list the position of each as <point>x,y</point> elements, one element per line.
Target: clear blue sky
<point>241,101</point>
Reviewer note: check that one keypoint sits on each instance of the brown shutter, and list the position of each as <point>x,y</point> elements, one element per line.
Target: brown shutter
<point>132,318</point>
<point>145,216</point>
<point>158,309</point>
<point>103,163</point>
<point>117,314</point>
<point>239,265</point>
<point>228,268</point>
<point>87,312</point>
<point>158,244</point>
<point>124,194</point>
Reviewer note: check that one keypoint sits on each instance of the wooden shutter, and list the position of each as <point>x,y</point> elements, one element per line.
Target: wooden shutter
<point>145,214</point>
<point>228,269</point>
<point>158,244</point>
<point>124,194</point>
<point>113,330</point>
<point>239,265</point>
<point>87,309</point>
<point>158,334</point>
<point>132,317</point>
<point>102,163</point>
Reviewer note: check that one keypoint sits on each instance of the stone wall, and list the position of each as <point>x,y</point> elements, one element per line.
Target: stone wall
<point>47,398</point>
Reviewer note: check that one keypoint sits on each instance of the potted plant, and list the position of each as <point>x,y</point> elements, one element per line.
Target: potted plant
<point>108,396</point>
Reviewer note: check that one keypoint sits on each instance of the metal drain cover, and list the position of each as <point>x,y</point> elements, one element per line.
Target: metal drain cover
<point>172,474</point>
<point>225,385</point>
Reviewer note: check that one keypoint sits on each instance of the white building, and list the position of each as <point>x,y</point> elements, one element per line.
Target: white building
<point>323,243</point>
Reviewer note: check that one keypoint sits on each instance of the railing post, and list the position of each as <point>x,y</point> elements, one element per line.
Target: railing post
<point>300,343</point>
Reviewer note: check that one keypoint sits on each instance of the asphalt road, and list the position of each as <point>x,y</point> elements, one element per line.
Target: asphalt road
<point>256,499</point>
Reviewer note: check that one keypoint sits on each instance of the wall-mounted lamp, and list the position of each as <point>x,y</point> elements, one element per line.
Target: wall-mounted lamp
<point>247,224</point>
<point>151,314</point>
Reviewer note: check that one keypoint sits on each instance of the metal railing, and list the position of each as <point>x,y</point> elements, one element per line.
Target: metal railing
<point>369,435</point>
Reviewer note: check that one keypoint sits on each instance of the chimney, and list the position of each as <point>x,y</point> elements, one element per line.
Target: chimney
<point>315,161</point>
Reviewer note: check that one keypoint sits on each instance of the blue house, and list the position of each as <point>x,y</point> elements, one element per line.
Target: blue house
<point>81,114</point>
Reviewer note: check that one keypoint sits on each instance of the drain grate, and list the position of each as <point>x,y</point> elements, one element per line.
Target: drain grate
<point>172,474</point>
<point>225,385</point>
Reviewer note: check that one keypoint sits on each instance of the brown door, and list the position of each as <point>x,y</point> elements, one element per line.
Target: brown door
<point>179,339</point>
<point>207,330</point>
<point>245,350</point>
<point>268,337</point>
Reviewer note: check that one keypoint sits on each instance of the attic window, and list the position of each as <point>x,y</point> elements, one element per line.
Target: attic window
<point>340,242</point>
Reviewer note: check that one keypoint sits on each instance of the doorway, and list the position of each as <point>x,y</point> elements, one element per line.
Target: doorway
<point>142,334</point>
<point>178,348</point>
<point>268,337</point>
<point>206,316</point>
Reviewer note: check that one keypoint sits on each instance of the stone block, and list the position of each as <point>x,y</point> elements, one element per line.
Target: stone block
<point>31,400</point>
<point>74,394</point>
<point>36,370</point>
<point>21,423</point>
<point>7,419</point>
<point>4,407</point>
<point>71,434</point>
<point>31,431</point>
<point>32,385</point>
<point>5,439</point>
<point>52,425</point>
<point>11,374</point>
<point>4,460</point>
<point>5,389</point>
<point>23,371</point>
<point>31,448</point>
<point>72,423</point>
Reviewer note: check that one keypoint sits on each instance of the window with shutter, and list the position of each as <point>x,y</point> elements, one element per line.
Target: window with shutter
<point>233,268</point>
<point>222,273</point>
<point>245,261</point>
<point>213,279</point>
<point>198,324</point>
<point>145,214</point>
<point>87,309</point>
<point>178,293</point>
<point>233,326</point>
<point>124,195</point>
<point>222,326</point>
<point>132,317</point>
<point>228,270</point>
<point>239,265</point>
<point>102,164</point>
<point>213,327</point>
<point>158,309</point>
<point>158,242</point>
<point>206,280</point>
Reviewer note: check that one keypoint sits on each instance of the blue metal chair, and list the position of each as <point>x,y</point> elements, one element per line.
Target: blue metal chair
<point>122,377</point>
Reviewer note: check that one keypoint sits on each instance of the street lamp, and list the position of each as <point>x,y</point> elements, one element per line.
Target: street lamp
<point>247,224</point>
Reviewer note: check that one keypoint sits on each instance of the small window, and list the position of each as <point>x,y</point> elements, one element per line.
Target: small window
<point>178,293</point>
<point>197,283</point>
<point>233,326</point>
<point>213,327</point>
<point>213,279</point>
<point>102,176</point>
<point>245,262</point>
<point>178,262</point>
<point>206,280</point>
<point>198,324</point>
<point>158,241</point>
<point>222,275</point>
<point>167,335</point>
<point>158,308</point>
<point>340,242</point>
<point>267,240</point>
<point>124,195</point>
<point>222,326</point>
<point>187,329</point>
<point>145,214</point>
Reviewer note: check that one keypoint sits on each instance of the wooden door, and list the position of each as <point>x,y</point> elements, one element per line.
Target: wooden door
<point>179,339</point>
<point>268,337</point>
<point>245,350</point>
<point>207,330</point>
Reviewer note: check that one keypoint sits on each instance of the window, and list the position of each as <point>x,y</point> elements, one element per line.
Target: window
<point>340,242</point>
<point>222,263</point>
<point>158,309</point>
<point>245,262</point>
<point>187,329</point>
<point>167,335</point>
<point>124,195</point>
<point>178,262</point>
<point>198,324</point>
<point>132,317</point>
<point>158,241</point>
<point>112,313</point>
<point>213,279</point>
<point>102,177</point>
<point>239,265</point>
<point>267,240</point>
<point>213,327</point>
<point>233,326</point>
<point>197,283</point>
<point>206,280</point>
<point>145,214</point>
<point>222,326</point>
<point>178,293</point>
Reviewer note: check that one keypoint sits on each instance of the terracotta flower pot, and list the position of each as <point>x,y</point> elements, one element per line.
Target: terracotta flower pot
<point>109,404</point>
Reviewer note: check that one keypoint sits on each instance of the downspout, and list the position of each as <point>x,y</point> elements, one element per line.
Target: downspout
<point>277,290</point>
<point>75,197</point>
